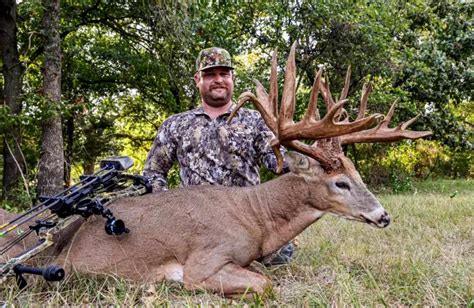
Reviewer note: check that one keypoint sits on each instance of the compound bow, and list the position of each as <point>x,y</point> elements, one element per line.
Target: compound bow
<point>89,197</point>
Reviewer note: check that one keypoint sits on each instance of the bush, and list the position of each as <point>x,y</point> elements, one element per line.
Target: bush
<point>396,166</point>
<point>419,159</point>
<point>460,164</point>
<point>21,202</point>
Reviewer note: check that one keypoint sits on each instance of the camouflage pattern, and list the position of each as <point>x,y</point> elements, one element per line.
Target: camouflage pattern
<point>213,57</point>
<point>211,151</point>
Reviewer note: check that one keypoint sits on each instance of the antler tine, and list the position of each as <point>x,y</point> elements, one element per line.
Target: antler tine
<point>275,144</point>
<point>401,126</point>
<point>382,133</point>
<point>388,116</point>
<point>366,89</point>
<point>326,127</point>
<point>347,81</point>
<point>312,113</point>
<point>274,84</point>
<point>409,122</point>
<point>326,94</point>
<point>265,102</point>
<point>309,127</point>
<point>289,88</point>
<point>261,104</point>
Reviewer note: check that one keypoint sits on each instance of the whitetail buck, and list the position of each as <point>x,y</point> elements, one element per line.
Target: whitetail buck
<point>206,236</point>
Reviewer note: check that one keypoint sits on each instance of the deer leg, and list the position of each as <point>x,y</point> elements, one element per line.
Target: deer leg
<point>232,281</point>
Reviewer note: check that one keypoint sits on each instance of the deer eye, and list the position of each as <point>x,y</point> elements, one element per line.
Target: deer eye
<point>343,185</point>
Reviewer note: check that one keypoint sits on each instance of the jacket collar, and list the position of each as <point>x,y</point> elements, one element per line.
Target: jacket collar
<point>200,110</point>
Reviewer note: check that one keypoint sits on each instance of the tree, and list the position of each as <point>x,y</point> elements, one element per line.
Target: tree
<point>122,63</point>
<point>14,163</point>
<point>51,164</point>
<point>436,66</point>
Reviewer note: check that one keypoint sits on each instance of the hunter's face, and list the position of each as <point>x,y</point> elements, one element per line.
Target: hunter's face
<point>216,85</point>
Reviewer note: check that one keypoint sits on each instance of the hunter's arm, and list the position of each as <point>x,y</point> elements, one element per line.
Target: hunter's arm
<point>161,157</point>
<point>264,151</point>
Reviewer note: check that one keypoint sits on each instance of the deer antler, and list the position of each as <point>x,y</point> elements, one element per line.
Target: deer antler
<point>382,133</point>
<point>312,127</point>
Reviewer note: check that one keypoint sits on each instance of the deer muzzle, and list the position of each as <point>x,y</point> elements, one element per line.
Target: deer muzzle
<point>378,218</point>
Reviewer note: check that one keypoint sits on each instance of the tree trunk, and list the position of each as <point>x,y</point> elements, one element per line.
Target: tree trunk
<point>13,162</point>
<point>51,165</point>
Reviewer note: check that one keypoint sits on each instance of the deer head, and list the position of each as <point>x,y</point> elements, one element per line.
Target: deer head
<point>324,161</point>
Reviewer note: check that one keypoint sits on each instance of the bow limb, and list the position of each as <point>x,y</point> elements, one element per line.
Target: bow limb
<point>7,269</point>
<point>46,239</point>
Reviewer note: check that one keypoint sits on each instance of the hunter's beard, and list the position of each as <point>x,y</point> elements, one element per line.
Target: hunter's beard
<point>217,96</point>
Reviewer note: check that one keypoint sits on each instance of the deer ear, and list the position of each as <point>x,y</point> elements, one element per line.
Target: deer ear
<point>298,163</point>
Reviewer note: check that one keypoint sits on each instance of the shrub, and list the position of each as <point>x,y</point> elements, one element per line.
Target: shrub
<point>420,158</point>
<point>396,166</point>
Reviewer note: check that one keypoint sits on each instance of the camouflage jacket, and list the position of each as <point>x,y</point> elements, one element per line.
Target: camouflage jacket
<point>210,151</point>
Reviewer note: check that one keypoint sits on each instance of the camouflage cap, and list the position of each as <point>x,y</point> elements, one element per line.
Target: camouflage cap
<point>213,57</point>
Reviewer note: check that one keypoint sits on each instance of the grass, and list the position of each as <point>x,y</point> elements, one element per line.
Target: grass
<point>425,257</point>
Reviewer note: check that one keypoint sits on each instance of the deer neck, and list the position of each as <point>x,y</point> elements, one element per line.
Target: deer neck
<point>284,208</point>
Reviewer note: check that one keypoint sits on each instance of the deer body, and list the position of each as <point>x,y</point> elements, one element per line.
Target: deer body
<point>206,236</point>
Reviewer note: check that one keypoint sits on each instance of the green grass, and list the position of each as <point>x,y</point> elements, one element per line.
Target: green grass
<point>445,186</point>
<point>425,257</point>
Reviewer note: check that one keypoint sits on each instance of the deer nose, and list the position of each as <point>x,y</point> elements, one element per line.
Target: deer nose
<point>384,220</point>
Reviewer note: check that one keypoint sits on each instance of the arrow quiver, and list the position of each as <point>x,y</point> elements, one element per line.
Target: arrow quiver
<point>90,196</point>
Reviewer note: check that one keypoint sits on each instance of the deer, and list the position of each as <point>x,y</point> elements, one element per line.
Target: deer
<point>206,237</point>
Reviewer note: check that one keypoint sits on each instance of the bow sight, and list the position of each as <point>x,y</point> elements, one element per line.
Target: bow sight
<point>89,197</point>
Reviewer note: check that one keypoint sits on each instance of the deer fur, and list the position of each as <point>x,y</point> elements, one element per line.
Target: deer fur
<point>207,236</point>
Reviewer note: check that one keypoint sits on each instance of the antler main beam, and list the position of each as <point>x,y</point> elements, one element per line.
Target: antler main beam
<point>312,127</point>
<point>382,133</point>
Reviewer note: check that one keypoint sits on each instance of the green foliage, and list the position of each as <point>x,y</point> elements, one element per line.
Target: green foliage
<point>127,66</point>
<point>400,182</point>
<point>424,159</point>
<point>7,121</point>
<point>436,66</point>
<point>416,158</point>
<point>22,200</point>
<point>399,166</point>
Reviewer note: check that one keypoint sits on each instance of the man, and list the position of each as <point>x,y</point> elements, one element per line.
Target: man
<point>210,151</point>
